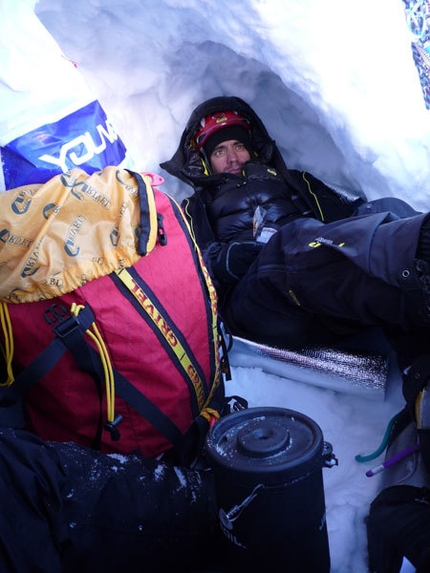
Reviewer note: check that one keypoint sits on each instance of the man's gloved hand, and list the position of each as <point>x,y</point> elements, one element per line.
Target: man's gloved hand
<point>240,256</point>
<point>232,262</point>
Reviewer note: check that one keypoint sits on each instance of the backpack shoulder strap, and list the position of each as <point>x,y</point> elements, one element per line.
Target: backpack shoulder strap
<point>69,332</point>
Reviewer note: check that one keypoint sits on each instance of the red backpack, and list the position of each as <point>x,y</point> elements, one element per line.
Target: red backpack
<point>128,361</point>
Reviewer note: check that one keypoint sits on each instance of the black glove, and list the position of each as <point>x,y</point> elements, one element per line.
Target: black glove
<point>231,263</point>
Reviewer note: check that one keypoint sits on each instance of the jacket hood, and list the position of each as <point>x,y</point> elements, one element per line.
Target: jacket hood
<point>186,164</point>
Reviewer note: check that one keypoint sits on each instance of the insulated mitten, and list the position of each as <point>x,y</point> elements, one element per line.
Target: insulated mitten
<point>233,261</point>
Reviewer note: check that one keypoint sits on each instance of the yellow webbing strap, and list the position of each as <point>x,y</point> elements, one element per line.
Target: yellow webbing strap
<point>106,363</point>
<point>159,321</point>
<point>8,348</point>
<point>213,301</point>
<point>214,305</point>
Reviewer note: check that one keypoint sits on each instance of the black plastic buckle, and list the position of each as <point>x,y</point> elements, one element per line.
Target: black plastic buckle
<point>62,322</point>
<point>56,313</point>
<point>111,427</point>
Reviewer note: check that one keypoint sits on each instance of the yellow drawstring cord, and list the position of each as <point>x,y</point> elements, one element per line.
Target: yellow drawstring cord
<point>8,349</point>
<point>107,366</point>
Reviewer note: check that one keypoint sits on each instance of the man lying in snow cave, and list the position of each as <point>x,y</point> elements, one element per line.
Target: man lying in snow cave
<point>295,262</point>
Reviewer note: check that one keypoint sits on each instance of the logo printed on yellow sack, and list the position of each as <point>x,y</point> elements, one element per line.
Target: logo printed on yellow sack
<point>74,228</point>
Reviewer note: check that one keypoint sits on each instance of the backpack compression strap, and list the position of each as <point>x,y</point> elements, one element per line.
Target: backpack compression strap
<point>69,335</point>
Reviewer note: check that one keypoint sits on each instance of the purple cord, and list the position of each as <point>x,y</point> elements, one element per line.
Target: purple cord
<point>391,461</point>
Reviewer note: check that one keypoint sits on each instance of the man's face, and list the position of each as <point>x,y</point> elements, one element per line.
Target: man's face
<point>229,157</point>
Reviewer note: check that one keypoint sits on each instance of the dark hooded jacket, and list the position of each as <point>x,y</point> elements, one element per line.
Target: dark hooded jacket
<point>338,263</point>
<point>222,207</point>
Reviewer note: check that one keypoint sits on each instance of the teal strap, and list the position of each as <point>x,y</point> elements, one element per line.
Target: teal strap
<point>384,442</point>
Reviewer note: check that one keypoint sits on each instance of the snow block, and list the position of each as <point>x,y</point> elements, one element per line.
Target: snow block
<point>363,373</point>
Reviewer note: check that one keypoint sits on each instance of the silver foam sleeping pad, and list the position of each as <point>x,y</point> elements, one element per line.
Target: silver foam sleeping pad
<point>362,373</point>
